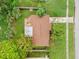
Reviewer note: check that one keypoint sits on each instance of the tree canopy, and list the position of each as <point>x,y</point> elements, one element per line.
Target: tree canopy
<point>8,13</point>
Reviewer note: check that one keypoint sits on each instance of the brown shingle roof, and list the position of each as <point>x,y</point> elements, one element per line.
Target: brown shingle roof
<point>41,28</point>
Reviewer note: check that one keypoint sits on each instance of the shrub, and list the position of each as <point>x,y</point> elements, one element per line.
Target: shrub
<point>14,49</point>
<point>8,50</point>
<point>41,12</point>
<point>23,44</point>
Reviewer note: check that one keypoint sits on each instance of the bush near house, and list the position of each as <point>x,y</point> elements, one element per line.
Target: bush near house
<point>8,50</point>
<point>14,49</point>
<point>23,45</point>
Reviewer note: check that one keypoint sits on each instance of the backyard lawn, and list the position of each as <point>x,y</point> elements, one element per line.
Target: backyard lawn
<point>54,7</point>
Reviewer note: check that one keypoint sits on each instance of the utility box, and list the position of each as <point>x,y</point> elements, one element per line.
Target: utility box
<point>40,28</point>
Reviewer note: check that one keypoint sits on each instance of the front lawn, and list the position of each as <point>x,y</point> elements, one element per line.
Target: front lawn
<point>58,45</point>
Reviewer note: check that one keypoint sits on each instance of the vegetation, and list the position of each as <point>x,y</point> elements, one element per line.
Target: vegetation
<point>58,42</point>
<point>8,50</point>
<point>14,49</point>
<point>8,16</point>
<point>41,12</point>
<point>53,7</point>
<point>23,45</point>
<point>12,28</point>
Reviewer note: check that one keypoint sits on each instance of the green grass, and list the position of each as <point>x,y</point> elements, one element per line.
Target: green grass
<point>54,7</point>
<point>71,41</point>
<point>20,23</point>
<point>58,47</point>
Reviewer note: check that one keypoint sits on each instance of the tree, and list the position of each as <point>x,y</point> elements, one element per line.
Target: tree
<point>9,14</point>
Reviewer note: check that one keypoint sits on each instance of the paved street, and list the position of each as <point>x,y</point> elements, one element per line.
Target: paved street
<point>76,29</point>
